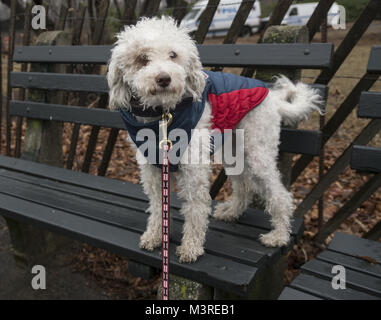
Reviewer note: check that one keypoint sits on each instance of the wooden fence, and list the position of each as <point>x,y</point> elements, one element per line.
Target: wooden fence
<point>78,18</point>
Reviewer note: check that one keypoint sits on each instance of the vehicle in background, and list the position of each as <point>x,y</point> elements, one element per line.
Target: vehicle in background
<point>299,14</point>
<point>223,18</point>
<point>5,12</point>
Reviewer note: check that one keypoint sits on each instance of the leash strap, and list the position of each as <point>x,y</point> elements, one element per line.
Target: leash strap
<point>165,145</point>
<point>166,205</point>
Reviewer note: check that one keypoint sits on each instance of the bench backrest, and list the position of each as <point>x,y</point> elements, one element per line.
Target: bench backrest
<point>374,65</point>
<point>285,56</point>
<point>365,158</point>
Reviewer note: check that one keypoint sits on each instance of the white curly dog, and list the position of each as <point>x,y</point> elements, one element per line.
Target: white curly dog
<point>158,63</point>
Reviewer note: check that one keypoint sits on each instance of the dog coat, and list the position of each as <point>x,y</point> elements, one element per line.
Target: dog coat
<point>231,97</point>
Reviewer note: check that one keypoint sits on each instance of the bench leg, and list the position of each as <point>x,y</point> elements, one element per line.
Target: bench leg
<point>32,245</point>
<point>140,270</point>
<point>185,289</point>
<point>43,144</point>
<point>268,285</point>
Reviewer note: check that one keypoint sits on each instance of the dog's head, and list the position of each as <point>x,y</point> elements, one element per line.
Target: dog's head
<point>155,61</point>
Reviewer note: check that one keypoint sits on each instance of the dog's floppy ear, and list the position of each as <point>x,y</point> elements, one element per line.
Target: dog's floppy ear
<point>120,93</point>
<point>195,77</point>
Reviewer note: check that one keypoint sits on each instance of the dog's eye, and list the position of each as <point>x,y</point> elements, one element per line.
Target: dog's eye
<point>173,55</point>
<point>143,59</point>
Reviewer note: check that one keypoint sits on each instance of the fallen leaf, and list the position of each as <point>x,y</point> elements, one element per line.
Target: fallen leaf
<point>368,259</point>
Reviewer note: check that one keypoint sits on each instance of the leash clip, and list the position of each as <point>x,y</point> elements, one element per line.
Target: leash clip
<point>167,119</point>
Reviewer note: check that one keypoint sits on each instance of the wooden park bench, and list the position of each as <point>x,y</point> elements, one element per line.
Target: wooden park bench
<point>110,214</point>
<point>361,258</point>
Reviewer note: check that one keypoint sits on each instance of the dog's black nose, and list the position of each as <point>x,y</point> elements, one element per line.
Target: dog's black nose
<point>163,79</point>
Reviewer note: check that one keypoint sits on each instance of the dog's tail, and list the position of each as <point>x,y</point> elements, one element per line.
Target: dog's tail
<point>298,100</point>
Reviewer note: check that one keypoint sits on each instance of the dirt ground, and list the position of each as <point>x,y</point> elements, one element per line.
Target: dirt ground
<point>111,271</point>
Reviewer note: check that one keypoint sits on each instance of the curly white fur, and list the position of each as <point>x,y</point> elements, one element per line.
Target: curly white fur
<point>154,39</point>
<point>147,49</point>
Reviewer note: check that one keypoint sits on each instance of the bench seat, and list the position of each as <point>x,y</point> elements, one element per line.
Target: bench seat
<point>361,259</point>
<point>110,214</point>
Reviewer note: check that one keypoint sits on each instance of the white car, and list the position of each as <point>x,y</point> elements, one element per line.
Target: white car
<point>223,18</point>
<point>299,14</point>
<point>5,12</point>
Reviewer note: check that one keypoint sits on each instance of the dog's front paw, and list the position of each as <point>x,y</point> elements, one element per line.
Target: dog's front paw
<point>189,253</point>
<point>150,241</point>
<point>225,211</point>
<point>275,238</point>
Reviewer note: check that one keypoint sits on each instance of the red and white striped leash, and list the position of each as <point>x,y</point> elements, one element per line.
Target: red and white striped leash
<point>166,146</point>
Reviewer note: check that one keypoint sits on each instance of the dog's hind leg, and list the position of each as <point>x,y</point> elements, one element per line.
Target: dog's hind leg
<point>151,180</point>
<point>262,136</point>
<point>278,203</point>
<point>242,195</point>
<point>278,200</point>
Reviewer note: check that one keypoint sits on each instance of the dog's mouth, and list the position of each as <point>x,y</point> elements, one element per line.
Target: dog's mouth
<point>158,90</point>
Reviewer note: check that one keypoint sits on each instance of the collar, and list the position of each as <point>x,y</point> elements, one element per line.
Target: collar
<point>138,110</point>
